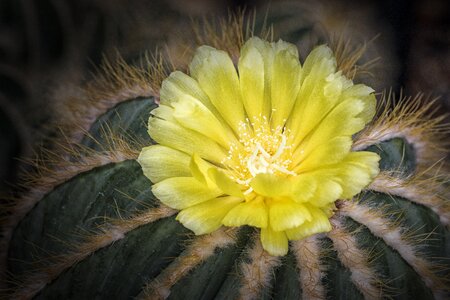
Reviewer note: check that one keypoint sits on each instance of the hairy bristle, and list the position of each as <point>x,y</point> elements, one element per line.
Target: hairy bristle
<point>257,272</point>
<point>51,168</point>
<point>395,236</point>
<point>198,251</point>
<point>348,55</point>
<point>116,81</point>
<point>307,253</point>
<point>422,188</point>
<point>227,34</point>
<point>105,234</point>
<point>355,259</point>
<point>411,118</point>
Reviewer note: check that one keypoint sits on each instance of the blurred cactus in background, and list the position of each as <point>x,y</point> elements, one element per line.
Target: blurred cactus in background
<point>47,44</point>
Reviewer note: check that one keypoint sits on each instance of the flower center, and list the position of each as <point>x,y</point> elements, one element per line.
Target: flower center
<point>261,161</point>
<point>261,150</point>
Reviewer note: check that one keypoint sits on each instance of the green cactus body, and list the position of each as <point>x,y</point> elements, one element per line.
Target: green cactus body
<point>102,234</point>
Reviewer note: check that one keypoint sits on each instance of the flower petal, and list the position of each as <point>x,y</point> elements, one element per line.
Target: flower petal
<point>357,171</point>
<point>286,214</point>
<point>298,188</point>
<point>331,151</point>
<point>286,72</point>
<point>160,162</point>
<point>182,192</point>
<point>218,78</point>
<point>312,104</point>
<point>207,216</point>
<point>199,169</point>
<point>225,183</point>
<point>274,242</point>
<point>210,175</point>
<point>192,114</point>
<point>318,224</point>
<point>267,52</point>
<point>343,120</point>
<point>251,79</point>
<point>253,213</point>
<point>320,62</point>
<point>175,136</point>
<point>179,85</point>
<point>330,190</point>
<point>163,112</point>
<point>270,79</point>
<point>363,93</point>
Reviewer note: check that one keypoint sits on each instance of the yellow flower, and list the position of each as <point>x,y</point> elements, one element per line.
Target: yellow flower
<point>267,145</point>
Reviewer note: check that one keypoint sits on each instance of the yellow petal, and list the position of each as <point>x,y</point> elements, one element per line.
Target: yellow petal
<point>332,135</point>
<point>251,78</point>
<point>356,107</point>
<point>320,62</point>
<point>363,93</point>
<point>270,185</point>
<point>315,156</point>
<point>163,112</point>
<point>274,242</point>
<point>179,85</point>
<point>304,187</point>
<point>270,74</point>
<point>225,183</point>
<point>366,159</point>
<point>312,102</point>
<point>318,224</point>
<point>253,213</point>
<point>218,78</point>
<point>160,162</point>
<point>298,188</point>
<point>210,175</point>
<point>182,192</point>
<point>267,52</point>
<point>335,84</point>
<point>207,216</point>
<point>356,171</point>
<point>329,191</point>
<point>285,214</point>
<point>192,114</point>
<point>285,82</point>
<point>199,169</point>
<point>175,136</point>
<point>343,120</point>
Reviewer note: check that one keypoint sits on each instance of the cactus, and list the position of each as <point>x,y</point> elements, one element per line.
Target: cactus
<point>90,226</point>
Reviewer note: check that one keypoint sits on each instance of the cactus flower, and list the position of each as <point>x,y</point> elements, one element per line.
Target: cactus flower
<point>266,143</point>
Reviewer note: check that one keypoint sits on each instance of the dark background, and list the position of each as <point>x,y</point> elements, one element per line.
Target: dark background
<point>45,44</point>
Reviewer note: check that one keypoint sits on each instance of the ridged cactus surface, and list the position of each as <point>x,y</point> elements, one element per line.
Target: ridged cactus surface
<point>102,234</point>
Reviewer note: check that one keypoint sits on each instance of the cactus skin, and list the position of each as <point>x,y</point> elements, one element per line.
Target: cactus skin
<point>223,265</point>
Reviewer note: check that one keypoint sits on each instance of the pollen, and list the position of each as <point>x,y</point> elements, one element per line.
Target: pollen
<point>261,149</point>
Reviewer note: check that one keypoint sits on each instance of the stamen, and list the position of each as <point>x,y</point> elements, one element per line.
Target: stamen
<point>262,151</point>
<point>284,170</point>
<point>281,148</point>
<point>249,191</point>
